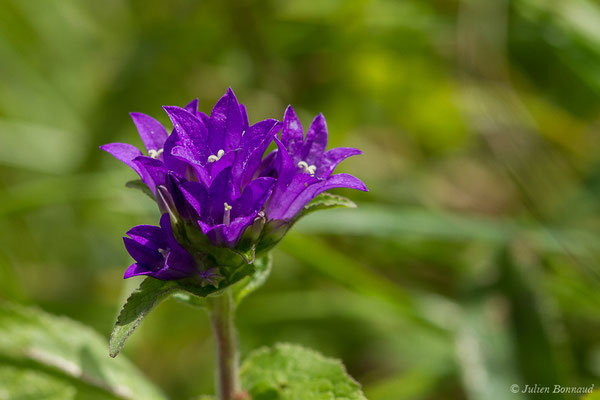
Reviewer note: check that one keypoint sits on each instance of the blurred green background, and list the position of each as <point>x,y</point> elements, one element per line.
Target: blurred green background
<point>471,264</point>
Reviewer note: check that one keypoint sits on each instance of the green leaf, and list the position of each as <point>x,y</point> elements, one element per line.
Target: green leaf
<point>290,372</point>
<point>48,357</point>
<point>139,304</point>
<point>152,291</point>
<point>325,201</point>
<point>257,279</point>
<point>139,185</point>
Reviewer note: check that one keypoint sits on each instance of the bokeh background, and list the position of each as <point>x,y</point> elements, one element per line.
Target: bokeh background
<point>472,263</point>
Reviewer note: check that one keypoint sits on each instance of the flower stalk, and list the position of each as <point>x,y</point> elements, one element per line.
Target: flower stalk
<point>222,311</point>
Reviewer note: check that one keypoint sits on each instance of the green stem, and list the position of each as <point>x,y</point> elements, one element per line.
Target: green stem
<point>222,310</point>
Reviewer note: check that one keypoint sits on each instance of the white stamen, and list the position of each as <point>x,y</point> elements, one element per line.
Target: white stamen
<point>307,168</point>
<point>163,252</point>
<point>155,153</point>
<point>227,214</point>
<point>212,158</point>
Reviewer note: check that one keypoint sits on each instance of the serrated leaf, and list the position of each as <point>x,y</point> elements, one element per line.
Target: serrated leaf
<point>291,372</point>
<point>257,279</point>
<point>48,357</point>
<point>137,306</point>
<point>152,291</point>
<point>139,185</point>
<point>325,201</point>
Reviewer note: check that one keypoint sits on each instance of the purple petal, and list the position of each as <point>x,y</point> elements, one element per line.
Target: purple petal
<point>174,246</point>
<point>204,118</point>
<point>181,205</point>
<point>151,131</point>
<point>246,167</point>
<point>254,197</point>
<point>126,153</point>
<point>192,106</point>
<point>179,265</point>
<point>292,134</point>
<point>284,195</point>
<point>234,231</point>
<point>191,132</point>
<point>197,197</point>
<point>148,235</point>
<point>136,270</point>
<point>256,134</point>
<point>155,171</point>
<point>316,140</point>
<point>244,115</point>
<point>147,256</point>
<point>172,270</point>
<point>225,161</point>
<point>332,158</point>
<point>173,163</point>
<point>267,165</point>
<point>284,165</point>
<point>221,191</point>
<point>223,235</point>
<point>335,181</point>
<point>225,126</point>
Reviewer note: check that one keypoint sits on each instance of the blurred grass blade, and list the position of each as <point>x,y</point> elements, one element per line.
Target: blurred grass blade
<point>386,221</point>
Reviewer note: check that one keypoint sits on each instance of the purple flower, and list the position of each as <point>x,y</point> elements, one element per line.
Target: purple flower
<point>222,211</point>
<point>304,169</point>
<point>226,201</point>
<point>150,168</point>
<point>209,145</point>
<point>158,254</point>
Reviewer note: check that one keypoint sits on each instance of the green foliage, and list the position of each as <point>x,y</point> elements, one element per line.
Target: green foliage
<point>47,357</point>
<point>141,186</point>
<point>149,295</point>
<point>292,372</point>
<point>325,201</point>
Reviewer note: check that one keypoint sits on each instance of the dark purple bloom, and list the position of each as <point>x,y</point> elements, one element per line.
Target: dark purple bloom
<point>150,168</point>
<point>226,200</point>
<point>157,253</point>
<point>223,211</point>
<point>304,168</point>
<point>211,144</point>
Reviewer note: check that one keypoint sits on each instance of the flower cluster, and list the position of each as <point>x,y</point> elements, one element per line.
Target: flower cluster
<point>220,196</point>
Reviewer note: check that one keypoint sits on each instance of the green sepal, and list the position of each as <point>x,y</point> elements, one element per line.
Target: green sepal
<point>324,201</point>
<point>275,230</point>
<point>250,283</point>
<point>138,184</point>
<point>290,372</point>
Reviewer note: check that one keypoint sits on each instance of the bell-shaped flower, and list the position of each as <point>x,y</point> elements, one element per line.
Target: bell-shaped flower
<point>159,255</point>
<point>150,167</point>
<point>303,168</point>
<point>211,144</point>
<point>222,211</point>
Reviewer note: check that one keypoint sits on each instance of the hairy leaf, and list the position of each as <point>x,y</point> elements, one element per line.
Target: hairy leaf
<point>47,357</point>
<point>152,291</point>
<point>290,372</point>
